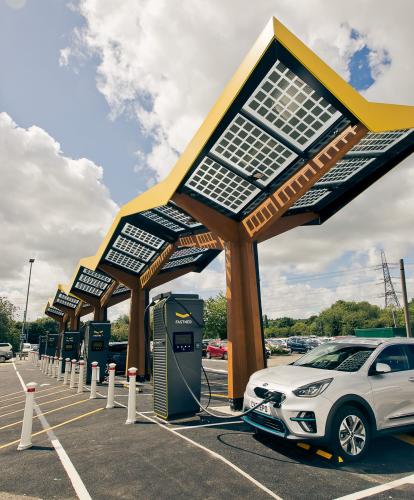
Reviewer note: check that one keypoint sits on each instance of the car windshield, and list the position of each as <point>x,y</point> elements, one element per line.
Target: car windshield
<point>336,356</point>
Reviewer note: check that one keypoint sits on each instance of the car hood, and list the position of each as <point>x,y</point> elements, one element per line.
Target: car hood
<point>292,376</point>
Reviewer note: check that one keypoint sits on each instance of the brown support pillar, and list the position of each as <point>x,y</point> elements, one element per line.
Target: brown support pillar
<point>136,333</point>
<point>244,327</point>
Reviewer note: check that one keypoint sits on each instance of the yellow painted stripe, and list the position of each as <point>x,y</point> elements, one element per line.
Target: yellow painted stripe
<point>324,454</point>
<point>406,438</point>
<point>55,426</point>
<point>22,393</point>
<point>46,413</point>
<point>41,404</point>
<point>305,446</point>
<point>214,394</point>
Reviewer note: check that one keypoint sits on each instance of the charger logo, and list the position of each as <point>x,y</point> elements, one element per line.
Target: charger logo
<point>183,319</point>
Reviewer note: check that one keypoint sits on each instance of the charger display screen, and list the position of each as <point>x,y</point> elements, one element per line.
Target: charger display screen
<point>183,341</point>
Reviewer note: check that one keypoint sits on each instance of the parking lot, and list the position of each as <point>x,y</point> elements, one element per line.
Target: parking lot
<point>83,450</point>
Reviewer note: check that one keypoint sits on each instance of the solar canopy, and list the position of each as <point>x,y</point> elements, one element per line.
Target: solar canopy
<point>282,107</point>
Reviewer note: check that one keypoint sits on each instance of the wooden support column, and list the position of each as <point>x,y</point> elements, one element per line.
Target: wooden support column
<point>136,333</point>
<point>244,324</point>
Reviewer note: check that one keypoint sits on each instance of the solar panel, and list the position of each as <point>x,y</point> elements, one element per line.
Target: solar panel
<point>290,107</point>
<point>377,143</point>
<point>181,262</point>
<point>221,185</point>
<point>68,298</point>
<point>178,216</point>
<point>184,252</point>
<point>124,261</point>
<point>96,275</point>
<point>142,236</point>
<point>312,197</point>
<point>162,221</point>
<point>344,170</point>
<point>55,311</point>
<point>251,150</point>
<point>132,248</point>
<point>94,282</point>
<point>88,288</point>
<point>66,303</point>
<point>120,289</point>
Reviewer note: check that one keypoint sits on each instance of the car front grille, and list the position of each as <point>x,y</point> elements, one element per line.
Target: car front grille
<point>271,423</point>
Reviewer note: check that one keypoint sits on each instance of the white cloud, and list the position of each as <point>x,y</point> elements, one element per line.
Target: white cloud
<point>52,208</point>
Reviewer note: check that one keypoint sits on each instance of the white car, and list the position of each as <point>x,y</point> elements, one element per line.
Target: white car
<point>344,393</point>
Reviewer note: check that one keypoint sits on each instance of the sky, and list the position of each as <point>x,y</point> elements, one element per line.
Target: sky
<point>98,98</point>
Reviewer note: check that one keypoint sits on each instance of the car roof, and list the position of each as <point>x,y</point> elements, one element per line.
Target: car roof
<point>374,341</point>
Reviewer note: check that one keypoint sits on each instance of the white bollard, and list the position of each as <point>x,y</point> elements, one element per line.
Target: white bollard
<point>41,362</point>
<point>44,363</point>
<point>49,366</point>
<point>55,367</point>
<point>98,374</point>
<point>67,371</point>
<point>72,374</point>
<point>59,373</point>
<point>26,436</point>
<point>111,386</point>
<point>80,379</point>
<point>93,380</point>
<point>132,396</point>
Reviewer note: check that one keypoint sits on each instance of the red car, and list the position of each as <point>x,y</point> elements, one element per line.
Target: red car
<point>217,349</point>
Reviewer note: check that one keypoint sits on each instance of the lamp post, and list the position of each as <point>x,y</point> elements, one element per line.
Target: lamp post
<point>22,336</point>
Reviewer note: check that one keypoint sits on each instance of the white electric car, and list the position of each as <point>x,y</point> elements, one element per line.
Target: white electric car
<point>344,393</point>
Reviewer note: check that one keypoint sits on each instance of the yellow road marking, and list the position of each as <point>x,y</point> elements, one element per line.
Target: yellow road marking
<point>324,454</point>
<point>46,413</point>
<point>305,446</point>
<point>37,398</point>
<point>11,394</point>
<point>55,426</point>
<point>41,404</point>
<point>214,394</point>
<point>406,438</point>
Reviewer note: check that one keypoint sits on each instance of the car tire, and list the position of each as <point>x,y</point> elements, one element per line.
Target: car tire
<point>346,443</point>
<point>2,359</point>
<point>208,355</point>
<point>225,356</point>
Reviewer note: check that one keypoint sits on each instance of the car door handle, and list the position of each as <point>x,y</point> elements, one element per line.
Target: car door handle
<point>411,379</point>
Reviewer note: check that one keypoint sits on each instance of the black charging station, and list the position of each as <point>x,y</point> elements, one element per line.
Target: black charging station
<point>70,346</point>
<point>51,344</point>
<point>96,347</point>
<point>42,345</point>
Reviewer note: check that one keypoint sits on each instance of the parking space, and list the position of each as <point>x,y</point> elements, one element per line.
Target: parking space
<point>198,457</point>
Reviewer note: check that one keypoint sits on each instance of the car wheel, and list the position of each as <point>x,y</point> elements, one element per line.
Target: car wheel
<point>351,434</point>
<point>225,355</point>
<point>208,355</point>
<point>2,359</point>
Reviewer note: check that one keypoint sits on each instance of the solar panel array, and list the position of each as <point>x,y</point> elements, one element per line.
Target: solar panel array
<point>142,236</point>
<point>94,283</point>
<point>88,289</point>
<point>67,300</point>
<point>120,289</point>
<point>55,311</point>
<point>182,262</point>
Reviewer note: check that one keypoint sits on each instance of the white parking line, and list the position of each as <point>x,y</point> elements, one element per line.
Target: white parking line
<point>379,489</point>
<point>210,452</point>
<point>77,483</point>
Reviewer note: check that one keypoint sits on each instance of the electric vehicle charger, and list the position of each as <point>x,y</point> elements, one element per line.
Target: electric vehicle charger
<point>269,396</point>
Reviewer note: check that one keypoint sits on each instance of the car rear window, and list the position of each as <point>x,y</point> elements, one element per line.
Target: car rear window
<point>332,356</point>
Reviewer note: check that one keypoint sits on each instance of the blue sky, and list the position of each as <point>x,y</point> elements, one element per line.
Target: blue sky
<point>36,90</point>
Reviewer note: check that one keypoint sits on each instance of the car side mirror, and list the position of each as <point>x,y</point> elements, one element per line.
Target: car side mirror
<point>381,368</point>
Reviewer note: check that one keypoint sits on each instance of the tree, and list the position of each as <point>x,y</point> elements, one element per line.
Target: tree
<point>8,330</point>
<point>119,329</point>
<point>215,317</point>
<point>41,326</point>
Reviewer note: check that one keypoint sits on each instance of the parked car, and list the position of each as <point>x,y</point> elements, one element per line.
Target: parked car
<point>26,347</point>
<point>268,350</point>
<point>342,393</point>
<point>217,349</point>
<point>6,351</point>
<point>279,346</point>
<point>298,344</point>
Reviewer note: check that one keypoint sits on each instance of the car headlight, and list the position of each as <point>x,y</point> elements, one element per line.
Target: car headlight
<point>312,390</point>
